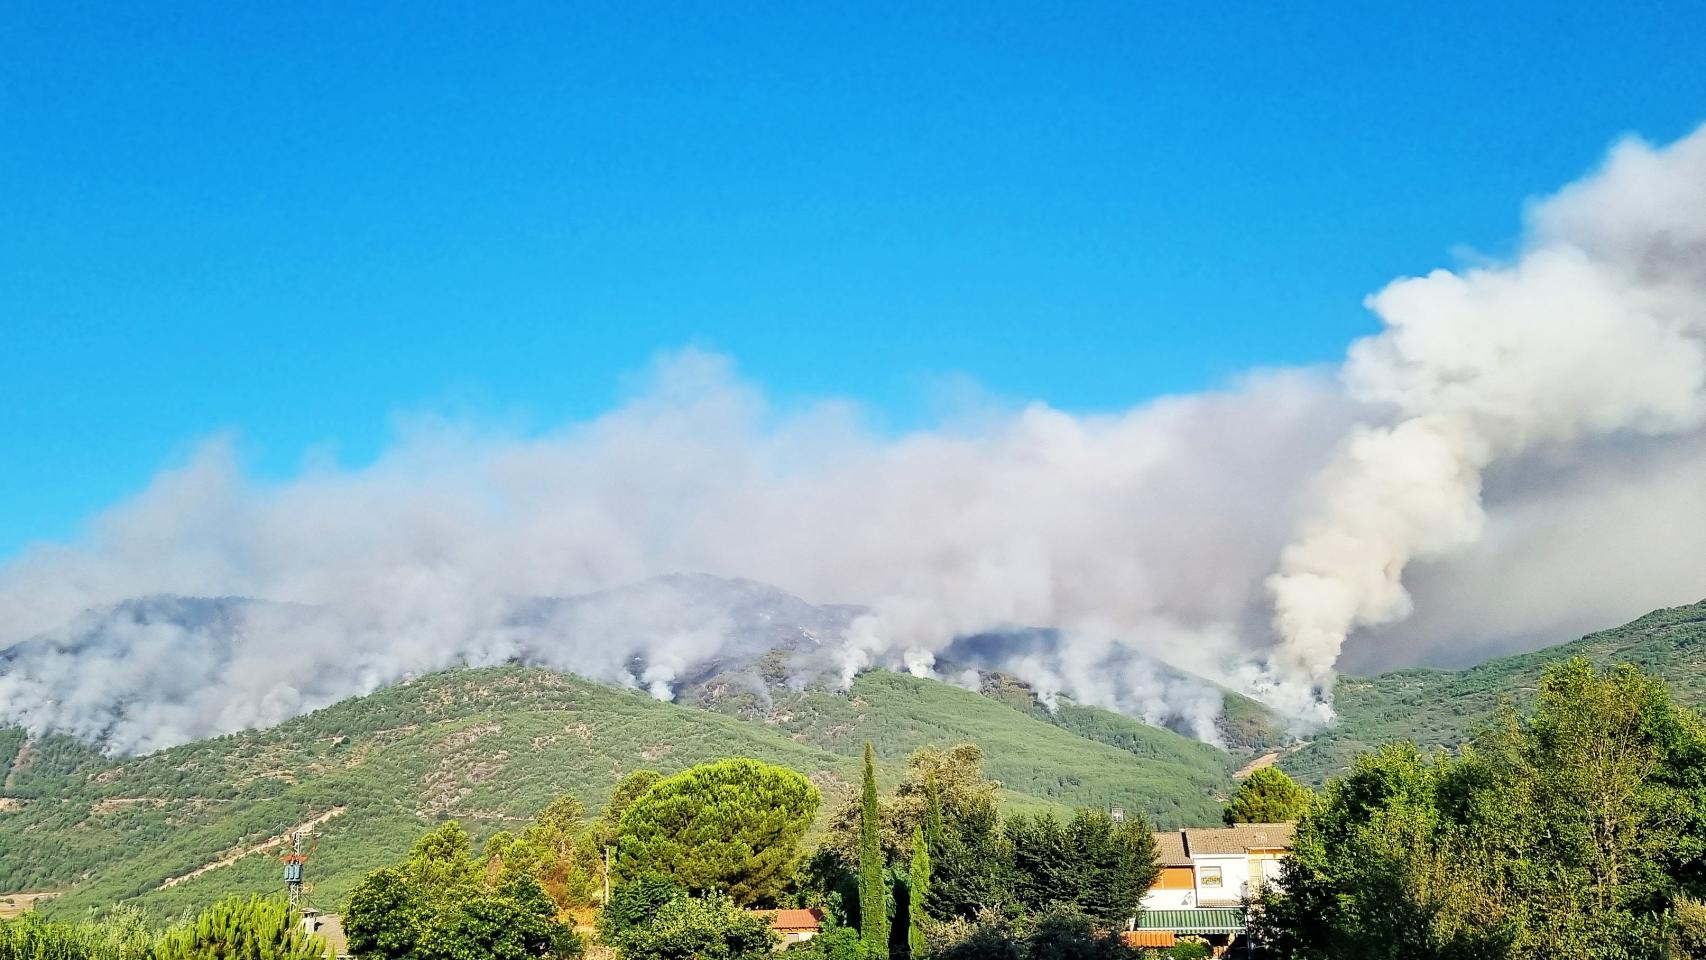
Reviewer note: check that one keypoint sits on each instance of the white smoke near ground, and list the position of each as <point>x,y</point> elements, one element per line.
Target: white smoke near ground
<point>1596,329</point>
<point>1477,437</point>
<point>1154,526</point>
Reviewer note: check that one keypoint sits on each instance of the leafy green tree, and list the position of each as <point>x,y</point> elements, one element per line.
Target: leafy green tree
<point>1267,795</point>
<point>711,927</point>
<point>968,854</point>
<point>732,827</point>
<point>626,791</point>
<point>1689,936</point>
<point>1116,864</point>
<point>242,928</point>
<point>387,915</point>
<point>917,891</point>
<point>1090,865</point>
<point>633,905</point>
<point>439,904</point>
<point>517,922</point>
<point>947,791</point>
<point>557,850</point>
<point>990,936</point>
<point>442,860</point>
<point>1043,870</point>
<point>873,894</point>
<point>608,828</point>
<point>1064,934</point>
<point>1189,948</point>
<point>1572,835</point>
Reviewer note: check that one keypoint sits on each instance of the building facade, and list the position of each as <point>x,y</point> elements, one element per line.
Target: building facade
<point>1207,877</point>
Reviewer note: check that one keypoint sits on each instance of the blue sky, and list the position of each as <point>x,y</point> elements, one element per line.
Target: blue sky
<point>294,221</point>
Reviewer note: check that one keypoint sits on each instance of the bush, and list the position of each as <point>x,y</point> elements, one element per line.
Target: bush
<point>835,943</point>
<point>700,928</point>
<point>1190,948</point>
<point>1070,935</point>
<point>29,937</point>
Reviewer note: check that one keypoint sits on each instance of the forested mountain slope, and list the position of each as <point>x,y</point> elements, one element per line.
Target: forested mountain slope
<point>1446,707</point>
<point>490,747</point>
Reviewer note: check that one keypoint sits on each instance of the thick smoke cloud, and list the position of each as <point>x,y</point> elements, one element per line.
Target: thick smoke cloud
<point>1479,440</point>
<point>1596,329</point>
<point>1153,528</point>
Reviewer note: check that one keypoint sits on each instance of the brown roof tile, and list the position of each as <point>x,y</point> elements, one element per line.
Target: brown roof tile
<point>789,920</point>
<point>1170,846</point>
<point>1244,836</point>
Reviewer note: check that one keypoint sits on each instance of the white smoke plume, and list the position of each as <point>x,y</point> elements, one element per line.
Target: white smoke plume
<point>1482,433</point>
<point>1595,329</point>
<point>1153,526</point>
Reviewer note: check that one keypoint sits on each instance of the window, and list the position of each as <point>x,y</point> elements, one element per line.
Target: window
<point>1208,876</point>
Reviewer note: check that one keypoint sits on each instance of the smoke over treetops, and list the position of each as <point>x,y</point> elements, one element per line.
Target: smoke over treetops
<point>1518,454</point>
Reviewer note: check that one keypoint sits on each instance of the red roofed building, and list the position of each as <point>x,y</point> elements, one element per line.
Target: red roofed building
<point>794,926</point>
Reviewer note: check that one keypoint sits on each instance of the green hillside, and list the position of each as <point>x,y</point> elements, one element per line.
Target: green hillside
<point>490,747</point>
<point>1446,707</point>
<point>1080,756</point>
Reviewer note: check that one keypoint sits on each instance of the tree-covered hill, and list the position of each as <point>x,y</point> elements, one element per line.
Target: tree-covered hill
<point>184,826</point>
<point>1445,707</point>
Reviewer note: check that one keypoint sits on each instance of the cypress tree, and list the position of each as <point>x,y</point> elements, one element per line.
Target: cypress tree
<point>873,898</point>
<point>918,887</point>
<point>932,814</point>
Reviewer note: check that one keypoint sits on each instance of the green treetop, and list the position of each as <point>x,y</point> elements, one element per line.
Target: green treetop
<point>1267,795</point>
<point>732,827</point>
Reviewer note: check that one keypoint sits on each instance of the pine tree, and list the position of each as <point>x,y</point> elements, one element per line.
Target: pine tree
<point>873,897</point>
<point>918,887</point>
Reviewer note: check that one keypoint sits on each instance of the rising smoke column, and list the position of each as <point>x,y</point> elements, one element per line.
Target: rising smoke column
<point>1596,328</point>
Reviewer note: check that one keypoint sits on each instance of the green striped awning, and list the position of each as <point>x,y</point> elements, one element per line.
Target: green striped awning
<point>1200,920</point>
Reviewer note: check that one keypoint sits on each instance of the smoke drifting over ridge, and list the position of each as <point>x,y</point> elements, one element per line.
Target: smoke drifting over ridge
<point>1596,329</point>
<point>1480,438</point>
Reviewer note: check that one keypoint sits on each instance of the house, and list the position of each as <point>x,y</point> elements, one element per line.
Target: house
<point>794,926</point>
<point>1207,876</point>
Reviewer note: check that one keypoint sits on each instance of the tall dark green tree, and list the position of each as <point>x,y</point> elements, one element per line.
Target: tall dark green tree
<point>1117,863</point>
<point>1044,872</point>
<point>873,893</point>
<point>917,891</point>
<point>1090,866</point>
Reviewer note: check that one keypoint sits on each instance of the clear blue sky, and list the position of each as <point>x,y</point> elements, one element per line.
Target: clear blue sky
<point>294,220</point>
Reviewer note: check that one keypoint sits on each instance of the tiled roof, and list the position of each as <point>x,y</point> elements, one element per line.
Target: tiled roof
<point>1175,847</point>
<point>1150,938</point>
<point>795,919</point>
<point>1244,836</point>
<point>1171,848</point>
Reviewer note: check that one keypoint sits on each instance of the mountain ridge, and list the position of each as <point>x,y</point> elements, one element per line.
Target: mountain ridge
<point>490,745</point>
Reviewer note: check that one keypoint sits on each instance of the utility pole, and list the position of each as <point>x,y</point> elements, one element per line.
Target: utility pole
<point>295,858</point>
